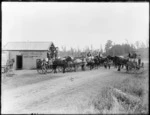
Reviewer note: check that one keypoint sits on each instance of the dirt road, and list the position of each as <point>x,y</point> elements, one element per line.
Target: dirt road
<point>72,92</point>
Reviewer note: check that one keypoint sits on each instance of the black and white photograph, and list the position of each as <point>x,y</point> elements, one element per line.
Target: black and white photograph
<point>75,58</point>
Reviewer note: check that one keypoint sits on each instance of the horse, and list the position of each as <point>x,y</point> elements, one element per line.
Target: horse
<point>102,60</point>
<point>90,62</point>
<point>118,61</point>
<point>112,60</point>
<point>80,62</point>
<point>70,62</point>
<point>65,63</point>
<point>110,57</point>
<point>107,63</point>
<point>96,62</point>
<point>59,63</point>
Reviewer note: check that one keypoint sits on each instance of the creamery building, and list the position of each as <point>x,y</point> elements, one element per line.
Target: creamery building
<point>25,54</point>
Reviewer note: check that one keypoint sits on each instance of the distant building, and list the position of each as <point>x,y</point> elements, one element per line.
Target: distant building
<point>25,54</point>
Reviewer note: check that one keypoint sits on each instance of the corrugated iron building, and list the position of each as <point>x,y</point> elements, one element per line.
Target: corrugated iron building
<point>26,53</point>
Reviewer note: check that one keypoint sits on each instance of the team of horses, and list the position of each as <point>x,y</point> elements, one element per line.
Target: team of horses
<point>92,62</point>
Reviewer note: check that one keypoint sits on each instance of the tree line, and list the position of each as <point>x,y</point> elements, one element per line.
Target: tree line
<point>110,49</point>
<point>126,48</point>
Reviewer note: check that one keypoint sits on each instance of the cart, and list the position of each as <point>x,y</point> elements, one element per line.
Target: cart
<point>44,67</point>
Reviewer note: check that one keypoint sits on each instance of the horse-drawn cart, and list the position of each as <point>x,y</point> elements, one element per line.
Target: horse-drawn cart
<point>4,69</point>
<point>134,67</point>
<point>44,66</point>
<point>8,67</point>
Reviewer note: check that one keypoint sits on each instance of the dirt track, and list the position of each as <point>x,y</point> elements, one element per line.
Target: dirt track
<point>29,92</point>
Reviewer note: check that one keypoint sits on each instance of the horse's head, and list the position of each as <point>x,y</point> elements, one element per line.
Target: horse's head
<point>68,58</point>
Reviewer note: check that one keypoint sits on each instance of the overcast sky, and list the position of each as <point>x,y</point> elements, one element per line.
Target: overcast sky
<point>75,25</point>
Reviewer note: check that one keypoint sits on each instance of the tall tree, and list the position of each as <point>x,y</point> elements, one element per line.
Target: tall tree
<point>72,51</point>
<point>147,43</point>
<point>143,45</point>
<point>108,45</point>
<point>137,44</point>
<point>91,47</point>
<point>101,49</point>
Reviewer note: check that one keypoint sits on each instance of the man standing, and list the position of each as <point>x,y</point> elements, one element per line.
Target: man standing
<point>56,52</point>
<point>52,51</point>
<point>139,60</point>
<point>129,55</point>
<point>134,55</point>
<point>48,54</point>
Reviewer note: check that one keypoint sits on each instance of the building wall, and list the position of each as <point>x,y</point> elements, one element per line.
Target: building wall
<point>4,57</point>
<point>28,58</point>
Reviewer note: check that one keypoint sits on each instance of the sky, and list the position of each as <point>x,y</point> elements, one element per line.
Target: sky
<point>76,25</point>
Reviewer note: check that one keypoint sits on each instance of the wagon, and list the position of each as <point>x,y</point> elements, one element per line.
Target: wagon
<point>44,67</point>
<point>134,67</point>
<point>8,67</point>
<point>5,69</point>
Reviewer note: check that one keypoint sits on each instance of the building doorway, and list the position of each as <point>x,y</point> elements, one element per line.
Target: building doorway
<point>19,62</point>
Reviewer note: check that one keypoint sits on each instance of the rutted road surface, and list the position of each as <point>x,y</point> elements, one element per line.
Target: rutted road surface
<point>71,93</point>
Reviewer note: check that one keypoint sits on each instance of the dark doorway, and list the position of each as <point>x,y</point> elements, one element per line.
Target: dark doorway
<point>19,62</point>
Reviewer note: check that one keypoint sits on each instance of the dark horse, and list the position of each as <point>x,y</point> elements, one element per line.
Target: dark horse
<point>59,63</point>
<point>90,62</point>
<point>96,62</point>
<point>101,61</point>
<point>70,63</point>
<point>107,63</point>
<point>118,61</point>
<point>66,62</point>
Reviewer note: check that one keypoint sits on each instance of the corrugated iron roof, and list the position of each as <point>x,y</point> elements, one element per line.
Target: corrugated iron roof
<point>27,46</point>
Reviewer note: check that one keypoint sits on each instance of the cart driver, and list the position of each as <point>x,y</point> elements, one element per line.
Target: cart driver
<point>129,55</point>
<point>139,60</point>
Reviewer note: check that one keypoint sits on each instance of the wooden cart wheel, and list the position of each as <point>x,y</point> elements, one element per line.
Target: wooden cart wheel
<point>135,71</point>
<point>49,68</point>
<point>60,69</point>
<point>68,69</point>
<point>129,69</point>
<point>39,70</point>
<point>44,69</point>
<point>39,66</point>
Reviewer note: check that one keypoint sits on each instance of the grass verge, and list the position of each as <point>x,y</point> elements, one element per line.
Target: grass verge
<point>126,97</point>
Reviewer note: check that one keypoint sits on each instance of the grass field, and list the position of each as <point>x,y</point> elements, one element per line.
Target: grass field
<point>127,97</point>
